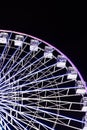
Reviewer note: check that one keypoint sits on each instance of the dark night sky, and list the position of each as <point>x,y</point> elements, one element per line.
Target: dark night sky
<point>62,26</point>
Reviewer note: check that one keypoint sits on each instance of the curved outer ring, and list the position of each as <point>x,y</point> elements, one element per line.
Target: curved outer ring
<point>52,47</point>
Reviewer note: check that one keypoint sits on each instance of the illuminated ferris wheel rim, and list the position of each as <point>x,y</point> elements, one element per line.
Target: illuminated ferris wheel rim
<point>39,84</point>
<point>24,34</point>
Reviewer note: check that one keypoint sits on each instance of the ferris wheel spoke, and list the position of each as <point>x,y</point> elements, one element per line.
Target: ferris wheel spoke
<point>56,101</point>
<point>46,100</point>
<point>47,73</point>
<point>61,122</point>
<point>16,74</point>
<point>36,121</point>
<point>36,81</point>
<point>40,64</point>
<point>5,52</point>
<point>42,118</point>
<point>47,87</point>
<point>43,90</point>
<point>5,47</point>
<point>48,97</point>
<point>22,62</point>
<point>11,62</point>
<point>30,124</point>
<point>69,126</point>
<point>59,115</point>
<point>12,57</point>
<point>62,96</point>
<point>14,60</point>
<point>38,86</point>
<point>46,79</point>
<point>20,71</point>
<point>30,74</point>
<point>15,119</point>
<point>51,107</point>
<point>60,107</point>
<point>34,73</point>
<point>23,59</point>
<point>4,121</point>
<point>24,68</point>
<point>24,120</point>
<point>16,64</point>
<point>51,84</point>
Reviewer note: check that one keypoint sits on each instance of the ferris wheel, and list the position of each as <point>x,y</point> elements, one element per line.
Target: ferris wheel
<point>40,88</point>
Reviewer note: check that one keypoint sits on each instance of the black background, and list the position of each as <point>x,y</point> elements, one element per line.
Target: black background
<point>61,24</point>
